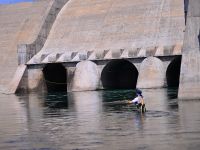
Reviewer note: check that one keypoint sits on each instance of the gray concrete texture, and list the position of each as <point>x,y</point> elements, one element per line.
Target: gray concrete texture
<point>99,25</point>
<point>27,51</point>
<point>86,77</point>
<point>151,74</point>
<point>19,24</point>
<point>189,87</point>
<point>73,56</point>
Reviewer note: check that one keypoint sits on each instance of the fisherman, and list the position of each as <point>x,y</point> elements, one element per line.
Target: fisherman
<point>139,100</point>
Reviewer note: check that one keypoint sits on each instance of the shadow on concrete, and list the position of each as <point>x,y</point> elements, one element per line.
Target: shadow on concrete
<point>199,38</point>
<point>186,3</point>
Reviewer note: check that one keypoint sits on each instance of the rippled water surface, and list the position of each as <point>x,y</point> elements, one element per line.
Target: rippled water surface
<point>90,121</point>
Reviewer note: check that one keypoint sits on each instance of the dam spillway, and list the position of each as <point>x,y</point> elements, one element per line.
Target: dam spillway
<point>148,34</point>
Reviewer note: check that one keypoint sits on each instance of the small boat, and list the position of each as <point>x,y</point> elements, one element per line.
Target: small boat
<point>139,107</point>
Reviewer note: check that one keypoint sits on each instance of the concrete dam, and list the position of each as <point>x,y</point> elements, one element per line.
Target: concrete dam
<point>77,45</point>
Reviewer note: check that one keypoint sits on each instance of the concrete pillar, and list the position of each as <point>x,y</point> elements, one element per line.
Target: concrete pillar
<point>189,87</point>
<point>86,77</point>
<point>151,73</point>
<point>35,80</point>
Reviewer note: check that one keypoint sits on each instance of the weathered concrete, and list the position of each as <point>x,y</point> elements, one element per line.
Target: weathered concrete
<point>35,79</point>
<point>86,77</point>
<point>151,73</point>
<point>19,23</point>
<point>24,30</point>
<point>189,87</point>
<point>12,87</point>
<point>27,50</point>
<point>106,54</point>
<point>99,30</point>
<point>113,25</point>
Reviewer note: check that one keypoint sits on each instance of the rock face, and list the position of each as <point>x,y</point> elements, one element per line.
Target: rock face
<point>151,73</point>
<point>86,77</point>
<point>189,87</point>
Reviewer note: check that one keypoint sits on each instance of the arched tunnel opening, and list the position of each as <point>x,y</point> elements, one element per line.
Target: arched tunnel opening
<point>119,74</point>
<point>55,77</point>
<point>173,72</point>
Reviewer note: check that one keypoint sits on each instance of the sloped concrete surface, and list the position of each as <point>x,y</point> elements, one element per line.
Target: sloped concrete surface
<point>100,25</point>
<point>12,87</point>
<point>19,24</point>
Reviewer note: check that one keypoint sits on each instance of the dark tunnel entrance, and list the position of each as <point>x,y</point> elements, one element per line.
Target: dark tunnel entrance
<point>55,77</point>
<point>119,74</point>
<point>173,72</point>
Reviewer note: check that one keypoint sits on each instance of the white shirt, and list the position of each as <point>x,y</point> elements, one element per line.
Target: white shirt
<point>136,100</point>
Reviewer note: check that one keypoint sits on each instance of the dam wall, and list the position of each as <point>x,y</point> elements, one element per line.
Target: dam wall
<point>69,32</point>
<point>113,25</point>
<point>108,30</point>
<point>19,23</point>
<point>24,30</point>
<point>27,50</point>
<point>189,87</point>
<point>144,72</point>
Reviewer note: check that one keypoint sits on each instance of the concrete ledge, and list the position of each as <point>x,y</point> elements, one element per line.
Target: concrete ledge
<point>159,51</point>
<point>91,55</point>
<point>83,55</point>
<point>168,50</point>
<point>116,53</point>
<point>150,51</point>
<point>124,53</point>
<point>107,54</point>
<point>67,56</point>
<point>75,56</point>
<point>177,49</point>
<point>142,52</point>
<point>72,56</point>
<point>38,59</point>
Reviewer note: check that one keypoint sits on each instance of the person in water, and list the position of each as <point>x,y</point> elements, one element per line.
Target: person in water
<point>139,100</point>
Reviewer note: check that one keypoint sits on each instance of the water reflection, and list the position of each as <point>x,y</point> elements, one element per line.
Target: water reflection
<point>82,120</point>
<point>190,110</point>
<point>116,95</point>
<point>88,106</point>
<point>172,94</point>
<point>56,100</point>
<point>88,110</point>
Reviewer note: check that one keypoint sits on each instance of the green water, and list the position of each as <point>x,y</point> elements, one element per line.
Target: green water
<point>84,121</point>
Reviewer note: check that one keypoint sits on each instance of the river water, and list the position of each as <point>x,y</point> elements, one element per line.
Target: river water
<point>88,121</point>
